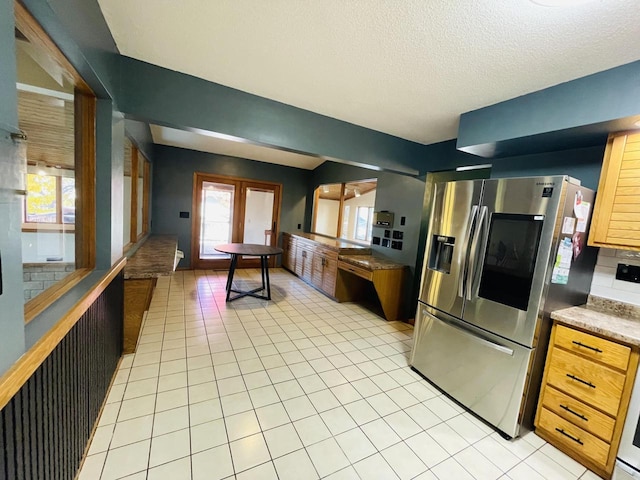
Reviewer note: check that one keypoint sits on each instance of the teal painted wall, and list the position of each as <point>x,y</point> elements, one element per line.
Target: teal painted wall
<point>173,170</point>
<point>12,339</point>
<point>9,103</point>
<point>576,113</point>
<point>152,93</point>
<point>581,163</point>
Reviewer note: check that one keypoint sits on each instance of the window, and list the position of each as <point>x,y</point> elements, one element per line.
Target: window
<point>232,209</point>
<point>345,210</point>
<point>136,195</point>
<point>50,199</point>
<point>56,112</point>
<point>364,223</point>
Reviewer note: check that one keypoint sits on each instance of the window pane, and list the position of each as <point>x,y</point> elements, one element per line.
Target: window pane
<point>68,200</point>
<point>362,226</point>
<point>46,115</point>
<point>41,198</point>
<point>258,215</point>
<point>217,215</point>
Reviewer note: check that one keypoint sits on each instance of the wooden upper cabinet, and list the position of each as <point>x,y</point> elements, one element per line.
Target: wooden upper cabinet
<point>616,217</point>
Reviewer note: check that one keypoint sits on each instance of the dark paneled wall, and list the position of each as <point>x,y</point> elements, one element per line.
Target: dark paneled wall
<point>45,428</point>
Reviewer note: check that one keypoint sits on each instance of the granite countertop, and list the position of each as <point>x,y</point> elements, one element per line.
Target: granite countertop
<point>155,258</point>
<point>616,320</point>
<point>371,262</point>
<point>342,246</point>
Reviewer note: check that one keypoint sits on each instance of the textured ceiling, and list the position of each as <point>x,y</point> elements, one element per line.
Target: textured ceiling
<point>404,67</point>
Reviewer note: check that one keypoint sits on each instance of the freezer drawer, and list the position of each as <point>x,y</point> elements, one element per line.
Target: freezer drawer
<point>485,373</point>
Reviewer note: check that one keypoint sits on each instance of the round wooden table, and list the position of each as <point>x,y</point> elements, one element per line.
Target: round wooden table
<point>251,250</point>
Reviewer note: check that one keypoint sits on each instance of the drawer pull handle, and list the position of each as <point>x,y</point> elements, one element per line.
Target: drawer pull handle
<point>577,440</point>
<point>580,344</point>
<point>579,415</point>
<point>588,384</point>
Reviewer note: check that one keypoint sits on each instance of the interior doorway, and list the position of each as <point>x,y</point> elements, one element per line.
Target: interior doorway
<point>229,210</point>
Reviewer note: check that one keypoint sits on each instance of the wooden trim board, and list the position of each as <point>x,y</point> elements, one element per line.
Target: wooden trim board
<point>21,371</point>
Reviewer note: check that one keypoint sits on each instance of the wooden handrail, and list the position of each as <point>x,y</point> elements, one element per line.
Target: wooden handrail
<point>20,372</point>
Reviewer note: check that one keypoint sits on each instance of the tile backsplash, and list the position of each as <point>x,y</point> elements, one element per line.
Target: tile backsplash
<point>604,282</point>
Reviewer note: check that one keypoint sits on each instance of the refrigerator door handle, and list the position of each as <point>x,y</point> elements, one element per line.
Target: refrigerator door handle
<point>465,249</point>
<point>475,245</point>
<point>483,341</point>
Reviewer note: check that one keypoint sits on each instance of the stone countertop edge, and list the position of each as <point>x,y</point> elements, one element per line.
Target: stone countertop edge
<point>334,243</point>
<point>371,262</point>
<point>615,320</point>
<point>155,258</point>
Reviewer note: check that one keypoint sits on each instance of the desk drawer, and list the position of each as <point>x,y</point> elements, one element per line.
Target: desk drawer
<point>593,347</point>
<point>574,438</point>
<point>361,272</point>
<point>578,413</point>
<point>591,382</point>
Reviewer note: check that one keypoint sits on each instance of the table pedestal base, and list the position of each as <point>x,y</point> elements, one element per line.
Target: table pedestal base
<point>264,267</point>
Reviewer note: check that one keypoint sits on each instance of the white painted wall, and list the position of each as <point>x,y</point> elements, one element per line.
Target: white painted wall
<point>604,283</point>
<point>327,217</point>
<point>366,200</point>
<point>37,246</point>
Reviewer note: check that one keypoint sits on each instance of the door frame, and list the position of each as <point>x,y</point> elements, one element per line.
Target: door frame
<point>237,232</point>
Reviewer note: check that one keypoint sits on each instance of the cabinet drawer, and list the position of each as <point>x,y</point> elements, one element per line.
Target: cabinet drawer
<point>361,272</point>
<point>578,413</point>
<point>597,348</point>
<point>595,384</point>
<point>578,440</point>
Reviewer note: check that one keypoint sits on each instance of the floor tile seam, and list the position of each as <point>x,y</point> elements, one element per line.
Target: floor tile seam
<point>524,460</point>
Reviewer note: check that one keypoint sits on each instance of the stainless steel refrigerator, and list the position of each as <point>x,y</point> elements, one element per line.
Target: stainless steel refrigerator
<point>501,254</point>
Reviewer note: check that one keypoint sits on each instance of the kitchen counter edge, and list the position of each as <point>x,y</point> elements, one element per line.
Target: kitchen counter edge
<point>615,320</point>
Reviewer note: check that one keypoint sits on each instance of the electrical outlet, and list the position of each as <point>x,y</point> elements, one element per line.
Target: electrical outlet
<point>628,273</point>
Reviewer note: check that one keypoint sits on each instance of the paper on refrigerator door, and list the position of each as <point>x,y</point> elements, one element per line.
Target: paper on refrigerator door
<point>562,265</point>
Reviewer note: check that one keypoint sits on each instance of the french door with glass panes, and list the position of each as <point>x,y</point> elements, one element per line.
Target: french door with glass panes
<point>232,210</point>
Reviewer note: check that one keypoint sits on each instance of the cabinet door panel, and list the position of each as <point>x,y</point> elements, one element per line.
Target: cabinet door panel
<point>618,191</point>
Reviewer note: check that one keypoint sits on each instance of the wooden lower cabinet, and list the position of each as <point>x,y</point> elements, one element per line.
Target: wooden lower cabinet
<point>321,264</point>
<point>289,252</point>
<point>313,263</point>
<point>325,268</point>
<point>585,395</point>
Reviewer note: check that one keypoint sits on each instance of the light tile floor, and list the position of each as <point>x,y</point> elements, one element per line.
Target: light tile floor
<point>297,388</point>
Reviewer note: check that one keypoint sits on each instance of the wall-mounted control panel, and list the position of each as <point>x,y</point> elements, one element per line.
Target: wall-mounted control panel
<point>390,239</point>
<point>383,219</point>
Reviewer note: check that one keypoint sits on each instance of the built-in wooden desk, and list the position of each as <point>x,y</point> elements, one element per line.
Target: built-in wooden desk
<point>387,277</point>
<point>156,257</point>
<point>346,272</point>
